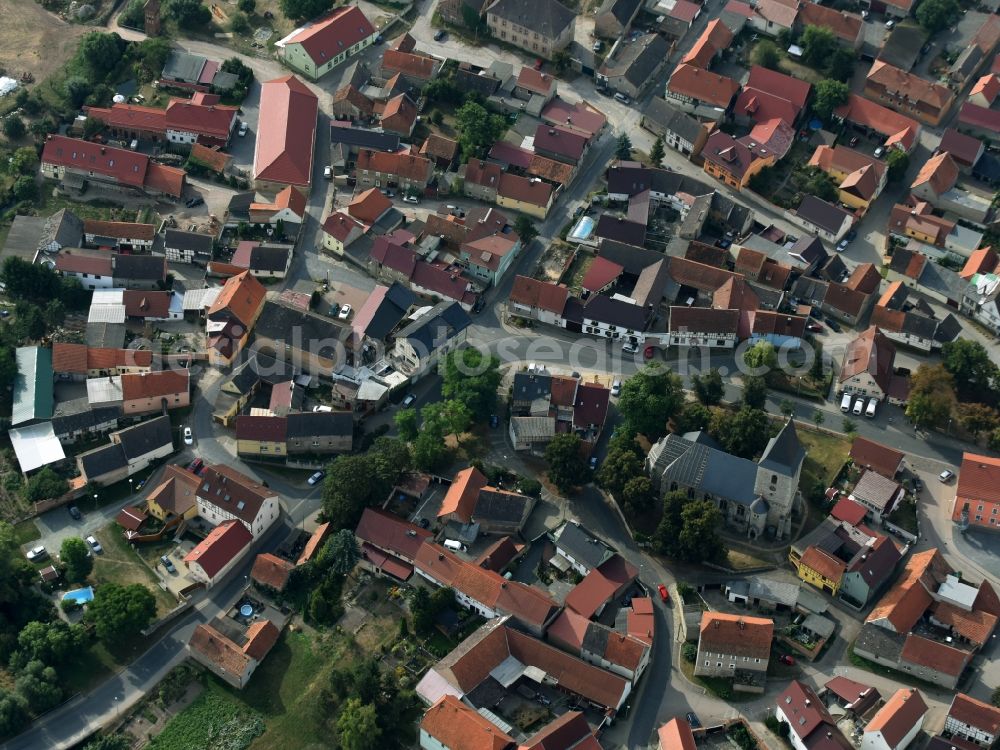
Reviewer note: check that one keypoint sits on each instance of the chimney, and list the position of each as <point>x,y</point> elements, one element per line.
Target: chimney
<point>440,556</point>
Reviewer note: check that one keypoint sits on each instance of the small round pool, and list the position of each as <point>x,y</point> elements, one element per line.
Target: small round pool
<point>80,596</point>
<point>246,610</point>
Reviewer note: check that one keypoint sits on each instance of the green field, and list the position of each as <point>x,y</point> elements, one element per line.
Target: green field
<point>215,719</point>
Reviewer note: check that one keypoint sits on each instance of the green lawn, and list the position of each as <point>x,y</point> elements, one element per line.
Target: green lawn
<point>214,719</point>
<point>121,564</point>
<point>905,516</point>
<point>718,686</point>
<point>826,456</point>
<point>26,531</point>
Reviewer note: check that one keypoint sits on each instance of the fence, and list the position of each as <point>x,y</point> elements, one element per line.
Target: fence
<point>172,615</point>
<point>893,528</point>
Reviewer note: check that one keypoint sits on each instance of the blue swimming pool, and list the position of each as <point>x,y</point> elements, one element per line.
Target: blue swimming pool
<point>80,596</point>
<point>583,229</point>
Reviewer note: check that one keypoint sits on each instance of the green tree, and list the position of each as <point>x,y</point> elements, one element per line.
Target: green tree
<point>621,465</point>
<point>937,15</point>
<point>829,95</point>
<point>13,712</point>
<point>358,727</point>
<point>850,427</point>
<point>24,161</point>
<point>239,23</point>
<point>247,6</point>
<point>189,14</point>
<point>623,147</point>
<point>567,467</point>
<point>932,396</point>
<point>979,419</point>
<point>407,424</point>
<point>45,485</point>
<point>657,152</point>
<point>110,742</point>
<point>340,553</point>
<point>118,613</point>
<point>840,65</point>
<point>52,642</point>
<point>818,46</point>
<point>561,61</point>
<point>357,481</point>
<point>814,181</point>
<point>29,323</point>
<point>303,10</point>
<point>54,313</point>
<point>638,493</point>
<point>708,388</point>
<point>134,15</point>
<point>13,127</point>
<point>818,417</point>
<point>816,369</point>
<point>975,375</point>
<point>92,126</point>
<point>478,129</point>
<point>100,53</point>
<point>898,162</point>
<point>77,89</point>
<point>473,379</point>
<point>787,407</point>
<point>422,611</point>
<point>744,433</point>
<point>766,54</point>
<point>754,391</point>
<point>694,416</point>
<point>688,530</point>
<point>649,399</point>
<point>525,229</point>
<point>25,188</point>
<point>39,685</point>
<point>761,356</point>
<point>75,555</point>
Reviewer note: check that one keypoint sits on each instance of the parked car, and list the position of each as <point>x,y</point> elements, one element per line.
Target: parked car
<point>94,544</point>
<point>165,561</point>
<point>389,193</point>
<point>345,312</point>
<point>439,35</point>
<point>944,477</point>
<point>851,236</point>
<point>188,436</point>
<point>593,463</point>
<point>616,388</point>
<point>693,720</point>
<point>664,594</point>
<point>787,659</point>
<point>648,352</point>
<point>196,466</point>
<point>834,325</point>
<point>316,478</point>
<point>890,24</point>
<point>598,46</point>
<point>243,129</point>
<point>918,485</point>
<point>37,553</point>
<point>322,408</point>
<point>424,523</point>
<point>410,398</point>
<point>494,421</point>
<point>842,245</point>
<point>411,199</point>
<point>878,152</point>
<point>853,142</point>
<point>623,98</point>
<point>539,62</point>
<point>629,348</point>
<point>814,327</point>
<point>75,513</point>
<point>328,172</point>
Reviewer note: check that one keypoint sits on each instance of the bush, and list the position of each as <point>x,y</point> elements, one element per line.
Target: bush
<point>690,652</point>
<point>13,127</point>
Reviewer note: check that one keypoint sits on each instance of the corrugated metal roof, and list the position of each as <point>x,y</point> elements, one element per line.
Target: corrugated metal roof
<point>33,398</point>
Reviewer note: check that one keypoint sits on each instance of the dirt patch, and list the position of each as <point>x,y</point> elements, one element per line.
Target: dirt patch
<point>33,40</point>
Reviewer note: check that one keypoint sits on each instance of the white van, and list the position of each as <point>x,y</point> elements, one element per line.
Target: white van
<point>454,545</point>
<point>845,403</point>
<point>859,406</point>
<point>870,411</point>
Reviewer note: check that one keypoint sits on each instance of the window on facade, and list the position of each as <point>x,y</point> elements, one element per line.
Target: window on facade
<point>732,666</point>
<point>708,663</point>
<point>718,665</point>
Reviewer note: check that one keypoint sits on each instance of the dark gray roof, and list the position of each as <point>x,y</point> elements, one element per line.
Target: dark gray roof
<point>260,367</point>
<point>139,267</point>
<point>769,297</point>
<point>834,269</point>
<point>620,229</point>
<point>61,229</point>
<point>147,436</point>
<point>810,291</point>
<point>393,308</point>
<point>919,325</point>
<point>966,62</point>
<point>639,60</point>
<point>651,286</point>
<point>106,335</point>
<point>604,309</point>
<point>361,138</point>
<point>632,258</point>
<point>582,545</point>
<point>436,326</point>
<point>269,257</point>
<point>948,329</point>
<point>706,469</point>
<point>548,17</point>
<point>986,169</point>
<point>877,640</point>
<point>631,178</point>
<point>24,237</point>
<point>277,322</point>
<point>809,248</point>
<point>669,119</point>
<point>239,206</point>
<point>482,82</point>
<point>183,66</point>
<point>784,453</point>
<point>320,424</point>
<point>732,215</point>
<point>494,505</point>
<point>194,241</point>
<point>820,213</point>
<point>623,11</point>
<point>101,461</point>
<point>944,281</point>
<point>902,47</point>
<point>356,74</point>
<point>529,386</point>
<point>77,414</point>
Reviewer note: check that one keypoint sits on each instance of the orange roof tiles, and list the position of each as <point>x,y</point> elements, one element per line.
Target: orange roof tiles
<point>420,67</point>
<point>975,713</point>
<point>219,650</point>
<point>897,128</point>
<point>539,294</point>
<point>934,655</point>
<point>369,206</point>
<point>676,735</point>
<point>988,87</point>
<point>600,585</point>
<point>325,39</point>
<point>939,171</point>
<point>401,164</point>
<point>271,570</point>
<point>534,80</point>
<point>107,359</point>
<point>711,88</point>
<point>223,543</point>
<point>975,626</point>
<point>242,297</point>
<point>69,358</point>
<point>823,563</point>
<point>905,603</point>
<point>126,230</point>
<point>261,637</point>
<point>978,478</point>
<point>983,260</point>
<point>315,542</point>
<point>880,458</point>
<point>713,39</point>
<point>738,635</point>
<point>457,727</point>
<point>847,26</point>
<point>898,716</point>
<point>909,86</point>
<point>286,133</point>
<point>163,383</point>
<point>463,493</point>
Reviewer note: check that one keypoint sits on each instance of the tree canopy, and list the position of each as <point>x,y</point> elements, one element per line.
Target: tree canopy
<point>689,530</point>
<point>708,388</point>
<point>766,54</point>
<point>898,162</point>
<point>100,52</point>
<point>829,95</point>
<point>649,399</point>
<point>937,15</point>
<point>744,433</point>
<point>478,129</point>
<point>761,356</point>
<point>340,553</point>
<point>567,467</point>
<point>974,373</point>
<point>932,396</point>
<point>75,555</point>
<point>45,485</point>
<point>191,14</point>
<point>354,482</point>
<point>120,612</point>
<point>754,391</point>
<point>473,379</point>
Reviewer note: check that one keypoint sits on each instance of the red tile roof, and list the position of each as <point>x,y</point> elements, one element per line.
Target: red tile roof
<point>271,570</point>
<point>847,26</point>
<point>223,543</point>
<point>975,626</point>
<point>983,260</point>
<point>580,116</point>
<point>676,735</point>
<point>988,86</point>
<point>286,132</point>
<point>600,585</point>
<point>139,304</point>
<point>569,732</point>
<point>462,494</point>
<point>265,429</point>
<point>934,655</point>
<point>600,274</point>
<point>314,543</point>
<point>559,140</point>
<point>106,359</point>
<point>880,458</point>
<point>138,385</point>
<point>339,226</point>
<point>98,265</point>
<point>410,65</point>
<point>233,491</point>
<point>905,603</point>
<point>69,358</point>
<point>913,88</point>
<point>261,637</point>
<point>163,179</point>
<point>214,120</point>
<point>711,88</point>
<point>871,351</point>
<point>329,37</point>
<point>391,533</point>
<point>902,712</point>
<point>126,230</point>
<point>940,172</point>
<point>975,713</point>
<point>457,727</point>
<point>438,147</point>
<point>539,294</point>
<point>736,635</point>
<point>849,511</point>
<point>219,650</point>
<point>713,39</point>
<point>803,710</point>
<point>978,478</point>
<point>534,192</point>
<point>399,115</point>
<point>772,82</point>
<point>406,165</point>
<point>242,297</point>
<point>591,407</point>
<point>486,174</point>
<point>896,127</point>
<point>823,563</point>
<point>127,167</point>
<point>369,206</point>
<point>979,117</point>
<point>535,81</point>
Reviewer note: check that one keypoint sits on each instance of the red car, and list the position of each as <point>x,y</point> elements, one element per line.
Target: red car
<point>196,466</point>
<point>538,63</point>
<point>664,594</point>
<point>787,659</point>
<point>648,352</point>
<point>814,327</point>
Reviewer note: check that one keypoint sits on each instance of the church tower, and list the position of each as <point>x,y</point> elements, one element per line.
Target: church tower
<point>151,10</point>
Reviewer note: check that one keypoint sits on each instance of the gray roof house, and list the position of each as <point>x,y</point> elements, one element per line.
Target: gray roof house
<point>634,65</point>
<point>541,27</point>
<point>30,236</point>
<point>579,548</point>
<point>439,330</point>
<point>678,129</point>
<point>614,17</point>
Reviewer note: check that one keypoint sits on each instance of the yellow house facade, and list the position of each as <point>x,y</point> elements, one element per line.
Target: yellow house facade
<point>819,569</point>
<point>175,496</point>
<point>261,436</point>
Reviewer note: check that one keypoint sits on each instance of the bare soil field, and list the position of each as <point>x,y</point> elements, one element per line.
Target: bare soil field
<point>34,40</point>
